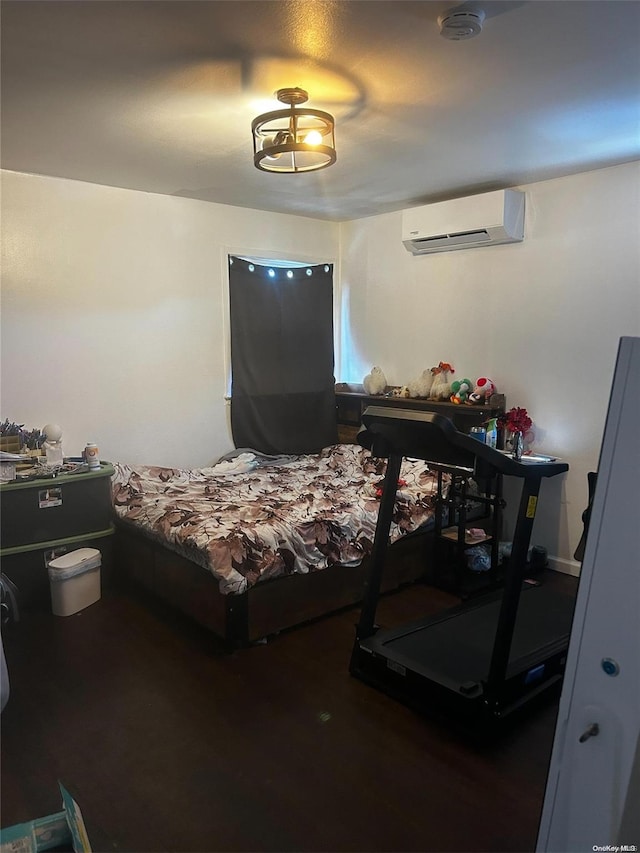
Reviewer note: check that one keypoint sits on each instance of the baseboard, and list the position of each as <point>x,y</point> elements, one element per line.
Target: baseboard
<point>567,567</point>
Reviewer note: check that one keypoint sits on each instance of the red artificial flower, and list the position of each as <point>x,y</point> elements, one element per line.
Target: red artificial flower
<point>515,420</point>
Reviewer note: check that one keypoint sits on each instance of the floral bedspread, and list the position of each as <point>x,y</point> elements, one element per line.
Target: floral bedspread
<point>261,519</point>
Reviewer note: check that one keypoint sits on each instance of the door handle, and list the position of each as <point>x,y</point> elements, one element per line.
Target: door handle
<point>590,731</point>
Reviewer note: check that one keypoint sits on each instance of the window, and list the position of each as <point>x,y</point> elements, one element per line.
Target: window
<point>282,382</point>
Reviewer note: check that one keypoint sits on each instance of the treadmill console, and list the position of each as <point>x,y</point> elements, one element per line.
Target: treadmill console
<point>430,436</point>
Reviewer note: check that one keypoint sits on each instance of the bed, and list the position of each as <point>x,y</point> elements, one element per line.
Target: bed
<point>257,544</point>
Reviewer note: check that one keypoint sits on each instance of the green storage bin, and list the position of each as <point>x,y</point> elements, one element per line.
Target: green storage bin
<point>57,508</point>
<point>27,565</point>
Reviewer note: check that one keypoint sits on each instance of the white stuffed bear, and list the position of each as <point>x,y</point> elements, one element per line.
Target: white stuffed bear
<point>375,383</point>
<point>421,386</point>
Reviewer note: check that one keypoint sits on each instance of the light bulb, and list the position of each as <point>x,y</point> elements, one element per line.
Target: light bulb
<point>314,137</point>
<point>281,138</point>
<point>267,144</point>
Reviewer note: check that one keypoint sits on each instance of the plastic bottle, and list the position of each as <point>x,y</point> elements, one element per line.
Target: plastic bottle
<point>92,456</point>
<point>491,437</point>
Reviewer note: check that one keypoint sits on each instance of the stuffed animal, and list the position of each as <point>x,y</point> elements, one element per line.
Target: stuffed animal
<point>441,388</point>
<point>375,383</point>
<point>460,390</point>
<point>401,392</point>
<point>421,386</point>
<point>483,389</point>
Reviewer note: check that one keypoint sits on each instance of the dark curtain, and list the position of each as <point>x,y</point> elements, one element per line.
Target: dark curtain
<point>283,388</point>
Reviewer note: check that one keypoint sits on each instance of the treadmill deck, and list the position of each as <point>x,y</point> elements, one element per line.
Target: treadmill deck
<point>455,647</point>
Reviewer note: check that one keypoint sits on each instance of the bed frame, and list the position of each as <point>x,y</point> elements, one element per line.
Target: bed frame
<point>274,605</point>
<point>268,607</point>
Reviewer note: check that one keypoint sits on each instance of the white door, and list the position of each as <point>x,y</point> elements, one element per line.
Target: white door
<point>594,750</point>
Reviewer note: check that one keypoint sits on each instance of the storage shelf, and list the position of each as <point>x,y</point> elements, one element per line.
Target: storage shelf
<point>451,533</point>
<point>46,516</point>
<point>453,542</point>
<point>351,402</point>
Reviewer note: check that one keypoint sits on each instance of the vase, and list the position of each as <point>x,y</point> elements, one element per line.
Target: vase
<point>517,445</point>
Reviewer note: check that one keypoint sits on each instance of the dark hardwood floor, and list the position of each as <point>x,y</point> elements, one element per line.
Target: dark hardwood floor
<point>170,744</point>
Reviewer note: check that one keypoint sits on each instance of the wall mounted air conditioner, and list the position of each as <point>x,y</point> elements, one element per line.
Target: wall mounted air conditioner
<point>463,223</point>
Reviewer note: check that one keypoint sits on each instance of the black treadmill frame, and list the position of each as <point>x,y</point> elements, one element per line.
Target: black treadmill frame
<point>396,433</point>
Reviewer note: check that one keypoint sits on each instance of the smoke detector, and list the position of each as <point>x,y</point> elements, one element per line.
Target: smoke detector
<point>460,25</point>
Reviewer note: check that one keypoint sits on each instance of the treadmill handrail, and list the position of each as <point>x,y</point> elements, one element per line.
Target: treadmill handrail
<point>433,437</point>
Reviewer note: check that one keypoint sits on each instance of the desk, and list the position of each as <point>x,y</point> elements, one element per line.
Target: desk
<point>45,517</point>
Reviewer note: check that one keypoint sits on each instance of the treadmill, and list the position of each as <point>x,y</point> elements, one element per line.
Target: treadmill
<point>480,661</point>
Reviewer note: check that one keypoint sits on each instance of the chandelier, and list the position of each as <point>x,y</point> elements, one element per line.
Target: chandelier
<point>298,139</point>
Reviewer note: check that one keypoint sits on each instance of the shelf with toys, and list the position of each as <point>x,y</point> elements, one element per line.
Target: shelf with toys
<point>466,404</point>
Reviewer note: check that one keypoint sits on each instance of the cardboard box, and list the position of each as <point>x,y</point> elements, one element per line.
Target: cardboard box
<point>62,829</point>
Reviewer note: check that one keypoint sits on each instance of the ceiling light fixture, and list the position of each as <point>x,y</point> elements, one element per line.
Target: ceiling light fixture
<point>293,140</point>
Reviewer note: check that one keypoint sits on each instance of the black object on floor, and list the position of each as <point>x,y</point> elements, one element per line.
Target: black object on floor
<point>481,661</point>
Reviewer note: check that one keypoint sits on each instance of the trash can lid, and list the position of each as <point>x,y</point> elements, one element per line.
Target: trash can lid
<point>76,559</point>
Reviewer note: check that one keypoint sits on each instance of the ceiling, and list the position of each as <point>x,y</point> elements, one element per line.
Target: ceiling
<point>158,96</point>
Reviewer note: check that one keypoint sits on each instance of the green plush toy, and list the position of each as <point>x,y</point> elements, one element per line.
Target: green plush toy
<point>460,390</point>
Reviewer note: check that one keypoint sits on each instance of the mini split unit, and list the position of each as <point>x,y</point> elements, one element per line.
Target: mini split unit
<point>465,223</point>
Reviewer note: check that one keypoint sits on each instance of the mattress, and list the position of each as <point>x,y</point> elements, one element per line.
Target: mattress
<point>253,518</point>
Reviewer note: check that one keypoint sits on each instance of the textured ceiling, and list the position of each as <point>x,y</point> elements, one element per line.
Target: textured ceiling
<point>159,96</point>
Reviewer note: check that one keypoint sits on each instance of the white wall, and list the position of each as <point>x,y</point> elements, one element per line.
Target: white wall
<point>113,306</point>
<point>541,318</point>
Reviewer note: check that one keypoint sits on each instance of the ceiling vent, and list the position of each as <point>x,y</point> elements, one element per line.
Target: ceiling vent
<point>465,223</point>
<point>461,24</point>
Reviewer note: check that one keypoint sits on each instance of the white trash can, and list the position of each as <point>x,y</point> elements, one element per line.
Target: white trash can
<point>75,581</point>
